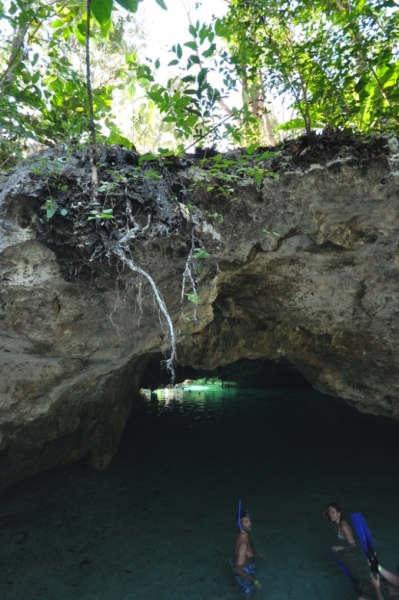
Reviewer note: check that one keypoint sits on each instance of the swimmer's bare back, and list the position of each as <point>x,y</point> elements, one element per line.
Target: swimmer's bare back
<point>243,539</point>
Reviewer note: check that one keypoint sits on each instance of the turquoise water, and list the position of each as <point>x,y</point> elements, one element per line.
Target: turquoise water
<point>160,523</point>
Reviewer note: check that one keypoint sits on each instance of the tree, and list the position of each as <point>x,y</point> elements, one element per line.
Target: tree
<point>42,91</point>
<point>337,60</point>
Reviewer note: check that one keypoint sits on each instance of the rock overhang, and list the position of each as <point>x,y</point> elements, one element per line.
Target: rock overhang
<point>304,268</point>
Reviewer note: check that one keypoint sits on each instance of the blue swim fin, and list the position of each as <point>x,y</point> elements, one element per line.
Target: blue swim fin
<point>366,539</point>
<point>359,530</point>
<point>369,537</point>
<point>345,570</point>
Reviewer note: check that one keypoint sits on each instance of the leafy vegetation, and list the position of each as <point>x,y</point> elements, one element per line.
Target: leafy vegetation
<point>334,62</point>
<point>43,95</point>
<point>337,60</point>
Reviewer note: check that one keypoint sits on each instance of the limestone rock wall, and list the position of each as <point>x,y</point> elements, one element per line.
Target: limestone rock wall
<point>324,293</point>
<point>76,332</point>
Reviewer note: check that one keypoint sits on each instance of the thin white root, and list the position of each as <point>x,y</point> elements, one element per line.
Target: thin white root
<point>188,275</point>
<point>116,249</point>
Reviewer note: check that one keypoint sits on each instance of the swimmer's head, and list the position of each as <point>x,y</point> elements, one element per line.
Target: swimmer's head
<point>244,520</point>
<point>334,512</point>
<point>243,514</point>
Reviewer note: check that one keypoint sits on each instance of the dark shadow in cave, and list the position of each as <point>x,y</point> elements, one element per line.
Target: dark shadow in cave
<point>246,373</point>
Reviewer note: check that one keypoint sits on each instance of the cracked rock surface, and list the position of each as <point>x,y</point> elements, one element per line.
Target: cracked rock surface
<point>305,268</point>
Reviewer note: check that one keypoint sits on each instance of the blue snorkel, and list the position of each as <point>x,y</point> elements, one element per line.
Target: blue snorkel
<point>239,516</point>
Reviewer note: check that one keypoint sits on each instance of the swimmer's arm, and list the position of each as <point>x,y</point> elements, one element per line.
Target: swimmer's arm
<point>375,582</point>
<point>390,577</point>
<point>240,562</point>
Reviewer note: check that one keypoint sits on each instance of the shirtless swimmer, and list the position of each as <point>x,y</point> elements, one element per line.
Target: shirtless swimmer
<point>243,563</point>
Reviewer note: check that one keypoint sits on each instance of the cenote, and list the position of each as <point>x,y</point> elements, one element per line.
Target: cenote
<point>235,209</point>
<point>160,523</point>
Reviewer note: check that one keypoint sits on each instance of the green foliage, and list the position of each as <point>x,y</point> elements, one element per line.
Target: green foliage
<point>200,253</point>
<point>215,216</point>
<point>152,174</point>
<point>188,102</point>
<point>51,207</point>
<point>101,10</point>
<point>95,215</point>
<point>51,169</point>
<point>130,5</point>
<point>337,61</point>
<point>43,95</point>
<point>193,298</point>
<point>225,173</point>
<point>148,158</point>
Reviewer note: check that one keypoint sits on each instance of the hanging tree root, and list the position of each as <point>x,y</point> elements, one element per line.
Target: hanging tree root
<point>141,209</point>
<point>188,275</point>
<point>170,363</point>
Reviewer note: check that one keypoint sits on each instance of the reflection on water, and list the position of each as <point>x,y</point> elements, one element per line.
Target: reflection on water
<point>160,523</point>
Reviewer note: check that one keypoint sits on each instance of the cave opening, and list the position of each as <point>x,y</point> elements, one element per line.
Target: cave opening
<point>244,373</point>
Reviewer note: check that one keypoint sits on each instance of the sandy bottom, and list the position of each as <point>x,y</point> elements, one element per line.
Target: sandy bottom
<point>160,523</point>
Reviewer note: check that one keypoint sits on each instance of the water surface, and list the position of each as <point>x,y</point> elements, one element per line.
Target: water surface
<point>160,523</point>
